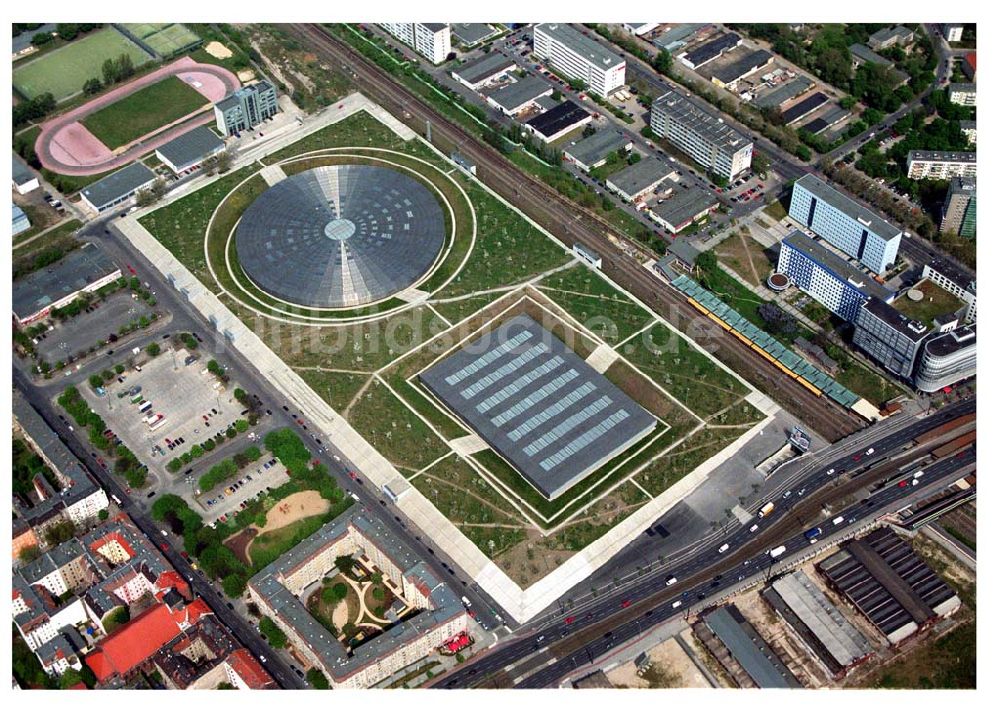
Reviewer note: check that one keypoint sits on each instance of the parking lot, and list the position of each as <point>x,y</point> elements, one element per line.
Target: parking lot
<point>76,335</point>
<point>228,497</point>
<point>194,407</point>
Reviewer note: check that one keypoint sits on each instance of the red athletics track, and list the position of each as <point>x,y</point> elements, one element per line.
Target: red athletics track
<point>65,146</point>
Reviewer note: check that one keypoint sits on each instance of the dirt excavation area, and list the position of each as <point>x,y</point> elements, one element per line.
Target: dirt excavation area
<point>218,50</point>
<point>669,666</point>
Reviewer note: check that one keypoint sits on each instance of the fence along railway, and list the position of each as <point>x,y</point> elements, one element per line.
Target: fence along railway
<point>572,224</point>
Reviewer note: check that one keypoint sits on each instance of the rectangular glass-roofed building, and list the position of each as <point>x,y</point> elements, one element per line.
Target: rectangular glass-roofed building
<point>541,407</point>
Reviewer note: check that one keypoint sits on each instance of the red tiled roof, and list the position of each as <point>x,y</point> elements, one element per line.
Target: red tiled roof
<point>79,686</point>
<point>113,536</point>
<point>134,643</point>
<point>249,669</point>
<point>173,579</point>
<point>971,58</point>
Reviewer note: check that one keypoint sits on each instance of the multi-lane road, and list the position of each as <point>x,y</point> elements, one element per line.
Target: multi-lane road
<point>620,617</point>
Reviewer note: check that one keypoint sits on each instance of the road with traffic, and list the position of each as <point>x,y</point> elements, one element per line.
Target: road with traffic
<point>628,611</point>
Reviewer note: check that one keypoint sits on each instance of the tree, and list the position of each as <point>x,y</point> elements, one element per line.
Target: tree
<point>60,532</point>
<point>92,86</point>
<point>115,618</point>
<point>70,678</point>
<point>276,638</point>
<point>233,584</point>
<point>67,31</point>
<point>103,514</point>
<point>317,679</point>
<point>344,564</point>
<point>41,39</point>
<point>663,62</point>
<point>29,554</point>
<point>153,349</point>
<point>151,194</point>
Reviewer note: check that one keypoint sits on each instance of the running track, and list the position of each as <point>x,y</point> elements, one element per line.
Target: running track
<point>65,146</point>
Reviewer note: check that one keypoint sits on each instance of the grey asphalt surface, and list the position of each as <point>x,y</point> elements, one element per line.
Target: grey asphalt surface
<point>539,635</point>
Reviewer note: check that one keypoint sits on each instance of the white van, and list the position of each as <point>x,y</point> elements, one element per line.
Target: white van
<point>838,520</point>
<point>777,552</point>
<point>676,604</point>
<point>723,548</point>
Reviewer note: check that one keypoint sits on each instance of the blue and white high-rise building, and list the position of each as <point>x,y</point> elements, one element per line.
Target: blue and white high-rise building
<point>828,279</point>
<point>845,224</point>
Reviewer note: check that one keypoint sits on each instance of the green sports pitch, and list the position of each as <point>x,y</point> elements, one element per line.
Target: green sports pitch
<point>62,72</point>
<point>144,111</point>
<point>166,39</point>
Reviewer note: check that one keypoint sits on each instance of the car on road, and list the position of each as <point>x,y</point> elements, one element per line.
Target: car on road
<point>723,548</point>
<point>671,580</point>
<point>754,528</point>
<point>787,493</point>
<point>626,603</point>
<point>902,483</point>
<point>569,619</point>
<point>831,471</point>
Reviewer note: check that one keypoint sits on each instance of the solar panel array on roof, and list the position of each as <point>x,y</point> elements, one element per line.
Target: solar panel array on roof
<point>768,343</point>
<point>340,236</point>
<point>538,404</point>
<point>896,590</point>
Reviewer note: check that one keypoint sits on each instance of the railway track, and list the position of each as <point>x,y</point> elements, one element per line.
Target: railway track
<point>572,224</point>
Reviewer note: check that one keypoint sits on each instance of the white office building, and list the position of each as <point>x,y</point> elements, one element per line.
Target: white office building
<point>964,94</point>
<point>431,40</point>
<point>948,357</point>
<point>844,223</point>
<point>704,137</point>
<point>576,56</point>
<point>940,165</point>
<point>952,33</point>
<point>951,279</point>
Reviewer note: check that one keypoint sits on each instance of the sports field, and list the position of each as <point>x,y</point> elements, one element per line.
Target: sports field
<point>63,72</point>
<point>143,112</point>
<point>164,38</point>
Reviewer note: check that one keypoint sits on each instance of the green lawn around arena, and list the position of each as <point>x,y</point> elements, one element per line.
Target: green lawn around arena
<point>64,71</point>
<point>144,111</point>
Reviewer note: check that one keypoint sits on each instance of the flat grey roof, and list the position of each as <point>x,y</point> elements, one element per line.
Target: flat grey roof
<point>641,175</point>
<point>962,87</point>
<point>961,277</point>
<point>684,205</point>
<point>865,54</point>
<point>71,273</point>
<point>588,48</point>
<point>738,69</point>
<point>922,156</point>
<point>593,149</point>
<point>520,92</point>
<point>540,406</point>
<point>784,92</point>
<point>192,146</point>
<point>484,67</point>
<point>19,170</point>
<point>675,35</point>
<point>967,124</point>
<point>118,184</point>
<point>838,635</point>
<point>712,48</point>
<point>887,33</point>
<point>892,317</point>
<point>877,226</point>
<point>434,26</point>
<point>471,32</point>
<point>708,126</point>
<point>554,120</point>
<point>951,341</point>
<point>749,648</point>
<point>836,265</point>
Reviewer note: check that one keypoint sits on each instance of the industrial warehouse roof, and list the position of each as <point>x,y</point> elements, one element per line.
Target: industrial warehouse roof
<point>784,92</point>
<point>340,236</point>
<point>554,121</point>
<point>71,273</point>
<point>538,404</point>
<point>591,150</point>
<point>845,643</point>
<point>118,184</point>
<point>740,68</point>
<point>804,107</point>
<point>835,265</point>
<point>191,147</point>
<point>675,36</point>
<point>896,590</point>
<point>748,648</point>
<point>515,95</point>
<point>876,225</point>
<point>641,176</point>
<point>469,33</point>
<point>684,205</point>
<point>712,48</point>
<point>767,343</point>
<point>710,127</point>
<point>590,49</point>
<point>484,67</point>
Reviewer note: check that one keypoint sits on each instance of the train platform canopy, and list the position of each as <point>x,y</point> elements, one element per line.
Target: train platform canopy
<point>795,363</point>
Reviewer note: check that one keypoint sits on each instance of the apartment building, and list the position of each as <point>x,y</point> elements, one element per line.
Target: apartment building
<point>431,40</point>
<point>827,278</point>
<point>844,223</point>
<point>577,56</point>
<point>428,610</point>
<point>704,137</point>
<point>952,33</point>
<point>940,165</point>
<point>964,94</point>
<point>246,108</point>
<point>889,337</point>
<point>958,215</point>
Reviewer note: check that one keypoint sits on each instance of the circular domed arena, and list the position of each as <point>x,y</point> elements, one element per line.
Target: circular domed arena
<point>340,236</point>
